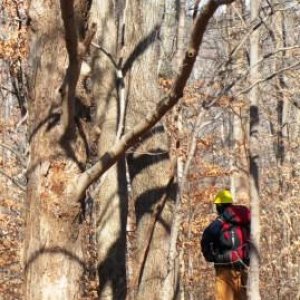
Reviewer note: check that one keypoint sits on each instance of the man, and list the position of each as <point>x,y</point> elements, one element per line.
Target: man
<point>226,243</point>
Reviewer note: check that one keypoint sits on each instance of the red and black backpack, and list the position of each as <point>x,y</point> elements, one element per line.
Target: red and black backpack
<point>235,232</point>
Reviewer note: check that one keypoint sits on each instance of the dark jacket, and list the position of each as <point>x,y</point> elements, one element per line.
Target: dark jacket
<point>212,245</point>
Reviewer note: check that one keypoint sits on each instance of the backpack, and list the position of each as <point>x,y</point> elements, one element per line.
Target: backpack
<point>235,234</point>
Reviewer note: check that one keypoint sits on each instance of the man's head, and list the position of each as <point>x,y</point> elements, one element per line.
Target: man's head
<point>222,200</point>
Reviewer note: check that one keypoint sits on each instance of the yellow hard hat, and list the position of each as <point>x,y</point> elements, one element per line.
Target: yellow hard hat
<point>223,197</point>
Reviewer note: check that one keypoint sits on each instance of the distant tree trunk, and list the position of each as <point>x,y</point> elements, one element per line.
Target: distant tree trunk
<point>240,178</point>
<point>172,279</point>
<point>283,102</point>
<point>255,148</point>
<point>175,258</point>
<point>180,38</point>
<point>54,259</point>
<point>239,124</point>
<point>283,151</point>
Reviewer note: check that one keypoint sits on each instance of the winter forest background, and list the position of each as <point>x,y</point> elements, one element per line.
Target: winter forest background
<point>84,84</point>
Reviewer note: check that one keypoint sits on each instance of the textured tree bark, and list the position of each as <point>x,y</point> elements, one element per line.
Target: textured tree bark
<point>168,35</point>
<point>111,199</point>
<point>180,38</point>
<point>148,162</point>
<point>54,261</point>
<point>253,291</point>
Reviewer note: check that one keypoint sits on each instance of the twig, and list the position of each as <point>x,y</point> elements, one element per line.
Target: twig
<point>267,78</point>
<point>122,103</point>
<point>121,89</point>
<point>227,88</point>
<point>23,120</point>
<point>106,53</point>
<point>22,187</point>
<point>256,23</point>
<point>7,89</point>
<point>15,152</point>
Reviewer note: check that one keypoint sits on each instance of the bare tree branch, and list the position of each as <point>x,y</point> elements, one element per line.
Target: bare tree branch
<point>121,89</point>
<point>68,87</point>
<point>76,51</point>
<point>164,105</point>
<point>113,61</point>
<point>272,75</point>
<point>2,87</point>
<point>22,187</point>
<point>18,155</point>
<point>228,87</point>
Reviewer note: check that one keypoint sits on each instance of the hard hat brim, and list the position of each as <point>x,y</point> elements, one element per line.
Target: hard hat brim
<point>223,197</point>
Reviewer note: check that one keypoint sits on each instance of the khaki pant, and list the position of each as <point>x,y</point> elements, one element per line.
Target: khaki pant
<point>231,284</point>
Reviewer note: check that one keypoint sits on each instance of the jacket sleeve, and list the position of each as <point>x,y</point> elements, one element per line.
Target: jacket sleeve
<point>210,240</point>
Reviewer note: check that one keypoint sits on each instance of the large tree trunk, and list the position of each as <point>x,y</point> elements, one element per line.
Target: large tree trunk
<point>254,293</point>
<point>111,198</point>
<point>141,44</point>
<point>54,256</point>
<point>54,261</point>
<point>148,162</point>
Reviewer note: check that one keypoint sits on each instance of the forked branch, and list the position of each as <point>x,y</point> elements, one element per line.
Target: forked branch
<point>163,106</point>
<point>76,51</point>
